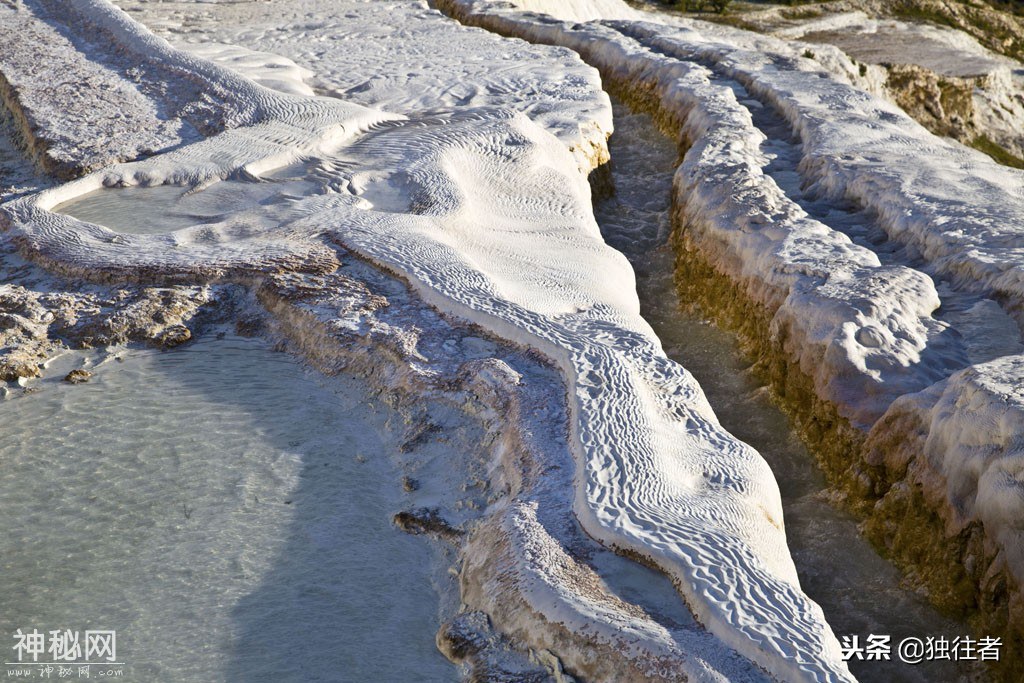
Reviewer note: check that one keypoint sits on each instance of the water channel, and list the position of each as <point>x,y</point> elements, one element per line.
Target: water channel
<point>860,592</point>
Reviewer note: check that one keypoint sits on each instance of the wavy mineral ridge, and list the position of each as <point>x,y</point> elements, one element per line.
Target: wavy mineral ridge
<point>882,264</point>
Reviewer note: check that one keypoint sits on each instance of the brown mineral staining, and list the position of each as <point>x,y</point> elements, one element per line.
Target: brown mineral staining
<point>37,322</point>
<point>427,521</point>
<point>18,365</point>
<point>463,636</point>
<point>78,376</point>
<point>174,336</point>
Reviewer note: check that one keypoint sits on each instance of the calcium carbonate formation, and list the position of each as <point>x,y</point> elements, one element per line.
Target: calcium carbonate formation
<point>893,286</point>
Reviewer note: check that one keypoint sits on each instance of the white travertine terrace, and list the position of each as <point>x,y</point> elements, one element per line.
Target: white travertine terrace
<point>488,217</point>
<point>905,305</point>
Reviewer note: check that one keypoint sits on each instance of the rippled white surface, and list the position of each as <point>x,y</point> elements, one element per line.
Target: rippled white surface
<point>225,511</point>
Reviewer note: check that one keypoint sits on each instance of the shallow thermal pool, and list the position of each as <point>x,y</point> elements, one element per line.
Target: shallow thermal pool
<point>224,510</point>
<point>118,209</point>
<point>252,204</point>
<point>859,591</point>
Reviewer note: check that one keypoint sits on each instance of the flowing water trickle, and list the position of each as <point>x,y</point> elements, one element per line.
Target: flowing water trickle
<point>225,511</point>
<point>859,591</point>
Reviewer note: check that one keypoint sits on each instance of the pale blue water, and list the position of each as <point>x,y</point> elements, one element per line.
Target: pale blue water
<point>225,511</point>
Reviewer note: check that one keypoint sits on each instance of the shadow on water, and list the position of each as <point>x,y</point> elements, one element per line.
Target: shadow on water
<point>225,511</point>
<point>348,597</point>
<point>859,591</point>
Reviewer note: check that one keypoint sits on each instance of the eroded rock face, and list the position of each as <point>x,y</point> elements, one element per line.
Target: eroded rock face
<point>78,376</point>
<point>35,324</point>
<point>982,111</point>
<point>468,638</point>
<point>941,104</point>
<point>952,66</point>
<point>946,470</point>
<point>427,521</point>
